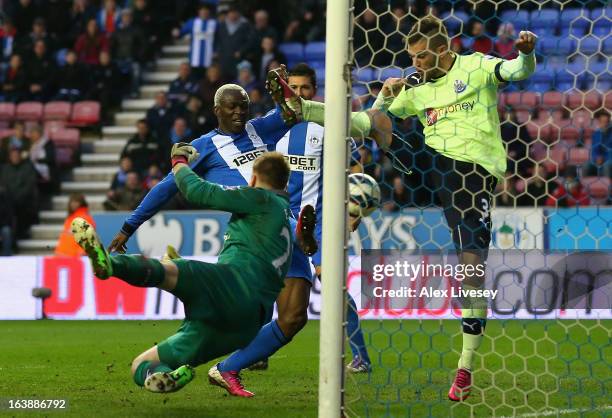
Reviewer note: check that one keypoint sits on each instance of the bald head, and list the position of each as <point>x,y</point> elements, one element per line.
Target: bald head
<point>231,108</point>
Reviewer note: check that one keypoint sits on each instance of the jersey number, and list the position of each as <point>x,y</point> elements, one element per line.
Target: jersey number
<point>280,261</point>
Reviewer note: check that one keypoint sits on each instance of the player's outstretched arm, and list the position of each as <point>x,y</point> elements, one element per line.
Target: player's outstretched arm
<point>524,65</point>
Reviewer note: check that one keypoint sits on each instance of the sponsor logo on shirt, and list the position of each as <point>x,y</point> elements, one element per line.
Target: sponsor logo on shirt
<point>247,157</point>
<point>433,114</point>
<point>302,162</point>
<point>314,141</point>
<point>459,86</point>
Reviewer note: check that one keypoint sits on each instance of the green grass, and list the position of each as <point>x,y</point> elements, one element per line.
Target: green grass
<point>536,366</point>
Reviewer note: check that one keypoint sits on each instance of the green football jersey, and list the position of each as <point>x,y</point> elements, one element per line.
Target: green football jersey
<point>459,112</point>
<point>258,231</point>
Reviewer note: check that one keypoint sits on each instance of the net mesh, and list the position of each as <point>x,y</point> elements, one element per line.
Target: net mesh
<point>552,197</point>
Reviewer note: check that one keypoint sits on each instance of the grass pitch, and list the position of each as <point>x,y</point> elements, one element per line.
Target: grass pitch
<point>533,369</point>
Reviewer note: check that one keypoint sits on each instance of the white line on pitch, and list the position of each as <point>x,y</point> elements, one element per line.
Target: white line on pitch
<point>557,412</point>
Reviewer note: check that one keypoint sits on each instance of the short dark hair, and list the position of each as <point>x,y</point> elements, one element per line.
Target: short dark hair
<point>602,112</point>
<point>304,70</point>
<point>431,28</point>
<point>272,168</point>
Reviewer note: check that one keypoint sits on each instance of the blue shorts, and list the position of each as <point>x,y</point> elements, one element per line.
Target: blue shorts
<point>300,263</point>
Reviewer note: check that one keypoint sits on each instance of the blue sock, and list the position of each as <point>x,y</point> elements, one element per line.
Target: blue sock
<point>354,332</point>
<point>267,342</point>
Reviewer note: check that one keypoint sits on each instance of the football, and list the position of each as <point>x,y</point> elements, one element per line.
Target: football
<point>364,194</point>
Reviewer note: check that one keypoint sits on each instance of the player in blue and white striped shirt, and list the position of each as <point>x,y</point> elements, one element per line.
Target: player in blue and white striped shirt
<point>303,148</point>
<point>202,30</point>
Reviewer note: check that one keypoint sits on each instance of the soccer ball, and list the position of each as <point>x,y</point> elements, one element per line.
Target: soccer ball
<point>364,194</point>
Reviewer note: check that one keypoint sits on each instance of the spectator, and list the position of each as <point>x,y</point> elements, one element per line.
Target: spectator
<point>109,17</point>
<point>147,21</point>
<point>72,79</point>
<point>517,140</point>
<point>127,44</point>
<point>233,41</point>
<point>127,197</point>
<point>535,192</point>
<point>309,26</point>
<point>202,30</point>
<point>42,154</point>
<point>209,85</point>
<point>19,178</point>
<point>125,166</point>
<point>505,194</point>
<point>568,194</point>
<point>23,14</point>
<point>504,45</point>
<point>262,28</point>
<point>601,148</point>
<point>180,132</point>
<point>77,208</point>
<point>8,36</point>
<point>258,106</point>
<point>89,44</point>
<point>14,81</point>
<point>480,40</point>
<point>57,15</point>
<point>7,222</point>
<point>41,71</point>
<point>198,123</point>
<point>144,149</point>
<point>80,14</point>
<point>246,78</point>
<point>399,196</point>
<point>154,175</point>
<point>182,86</point>
<point>161,116</point>
<point>17,140</point>
<point>106,82</point>
<point>268,52</point>
<point>25,44</point>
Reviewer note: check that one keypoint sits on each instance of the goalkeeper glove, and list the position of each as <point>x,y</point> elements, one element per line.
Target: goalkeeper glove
<point>183,152</point>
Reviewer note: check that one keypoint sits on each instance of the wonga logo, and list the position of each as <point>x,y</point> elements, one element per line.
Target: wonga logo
<point>431,115</point>
<point>155,234</point>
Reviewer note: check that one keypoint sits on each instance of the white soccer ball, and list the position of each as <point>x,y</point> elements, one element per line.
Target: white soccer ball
<point>364,194</point>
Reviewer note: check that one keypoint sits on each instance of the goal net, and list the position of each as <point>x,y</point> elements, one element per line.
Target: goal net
<point>546,346</point>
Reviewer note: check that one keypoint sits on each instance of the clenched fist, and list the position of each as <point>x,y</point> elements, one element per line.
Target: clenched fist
<point>526,41</point>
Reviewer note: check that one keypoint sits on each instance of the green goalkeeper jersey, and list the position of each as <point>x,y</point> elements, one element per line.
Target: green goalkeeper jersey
<point>258,231</point>
<point>459,112</point>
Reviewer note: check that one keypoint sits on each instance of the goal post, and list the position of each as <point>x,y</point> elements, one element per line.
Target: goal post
<point>337,100</point>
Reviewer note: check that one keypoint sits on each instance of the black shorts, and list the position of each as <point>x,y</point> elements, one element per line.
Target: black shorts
<point>465,191</point>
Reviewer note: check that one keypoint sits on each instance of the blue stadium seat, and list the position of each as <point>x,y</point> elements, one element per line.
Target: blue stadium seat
<point>317,64</point>
<point>519,18</point>
<point>601,28</point>
<point>565,80</point>
<point>540,81</point>
<point>557,46</point>
<point>542,31</point>
<point>603,84</point>
<point>60,57</point>
<point>578,26</point>
<point>545,18</point>
<point>360,90</point>
<point>294,51</point>
<point>599,12</point>
<point>453,20</point>
<point>567,15</point>
<point>390,72</point>
<point>589,45</point>
<point>364,74</point>
<point>607,45</point>
<point>315,51</point>
<point>320,76</point>
<point>596,71</point>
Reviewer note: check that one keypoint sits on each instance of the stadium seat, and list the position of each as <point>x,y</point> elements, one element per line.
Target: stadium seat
<point>552,100</point>
<point>589,45</point>
<point>597,187</point>
<point>578,156</point>
<point>6,132</point>
<point>541,81</point>
<point>557,46</point>
<point>522,116</point>
<point>601,28</point>
<point>389,72</point>
<point>314,51</point>
<point>53,126</point>
<point>607,101</point>
<point>320,72</point>
<point>545,18</point>
<point>565,80</point>
<point>519,18</point>
<point>364,74</point>
<point>360,90</point>
<point>522,100</point>
<point>57,111</point>
<point>294,51</point>
<point>317,64</point>
<point>67,143</point>
<point>7,111</point>
<point>601,13</point>
<point>570,133</point>
<point>31,111</point>
<point>453,21</point>
<point>85,113</point>
<point>578,100</point>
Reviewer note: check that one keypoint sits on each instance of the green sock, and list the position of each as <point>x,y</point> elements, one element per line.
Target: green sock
<point>146,368</point>
<point>138,270</point>
<point>315,112</point>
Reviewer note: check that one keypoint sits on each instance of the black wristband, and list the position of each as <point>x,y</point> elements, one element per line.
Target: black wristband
<point>498,73</point>
<point>128,229</point>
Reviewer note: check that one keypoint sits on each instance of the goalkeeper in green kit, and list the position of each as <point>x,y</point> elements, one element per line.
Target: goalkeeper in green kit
<point>455,98</point>
<point>225,303</point>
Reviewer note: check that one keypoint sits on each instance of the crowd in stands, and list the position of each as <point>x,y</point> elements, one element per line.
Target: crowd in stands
<point>91,49</point>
